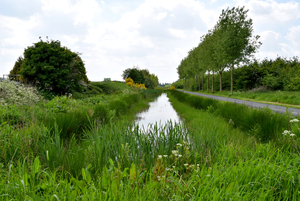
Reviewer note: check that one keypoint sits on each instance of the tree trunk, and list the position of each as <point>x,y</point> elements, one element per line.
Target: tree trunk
<point>207,80</point>
<point>199,82</point>
<point>220,80</point>
<point>232,77</point>
<point>202,81</point>
<point>212,82</point>
<point>184,86</point>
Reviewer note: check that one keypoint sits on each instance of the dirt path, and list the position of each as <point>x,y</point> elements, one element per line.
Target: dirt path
<point>276,108</point>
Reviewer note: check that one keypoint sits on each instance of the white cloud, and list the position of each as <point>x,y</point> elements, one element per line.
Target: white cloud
<point>154,34</point>
<point>271,14</point>
<point>82,11</point>
<point>294,35</point>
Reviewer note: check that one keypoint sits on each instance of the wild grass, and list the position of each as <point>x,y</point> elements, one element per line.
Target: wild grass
<point>208,159</point>
<point>241,167</point>
<point>264,124</point>
<point>288,98</point>
<point>98,88</point>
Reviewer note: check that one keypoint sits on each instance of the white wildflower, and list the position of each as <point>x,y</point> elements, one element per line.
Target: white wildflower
<point>174,152</point>
<point>166,156</point>
<point>159,156</point>
<point>179,145</point>
<point>292,134</point>
<point>294,120</point>
<point>185,164</point>
<point>286,132</point>
<point>179,155</point>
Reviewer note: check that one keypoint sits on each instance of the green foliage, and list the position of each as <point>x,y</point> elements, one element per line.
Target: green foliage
<point>12,115</point>
<point>103,88</point>
<point>178,84</point>
<point>53,68</point>
<point>141,77</point>
<point>209,160</point>
<point>229,43</point>
<point>264,124</point>
<point>17,68</point>
<point>134,73</point>
<point>277,74</point>
<point>61,104</point>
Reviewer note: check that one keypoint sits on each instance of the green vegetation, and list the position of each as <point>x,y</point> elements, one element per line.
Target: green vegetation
<point>228,44</point>
<point>284,98</point>
<point>55,70</point>
<point>264,124</point>
<point>272,75</point>
<point>98,88</point>
<point>236,165</point>
<point>89,149</point>
<point>229,47</point>
<point>141,77</point>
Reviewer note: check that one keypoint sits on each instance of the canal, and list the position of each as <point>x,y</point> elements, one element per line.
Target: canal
<point>160,112</point>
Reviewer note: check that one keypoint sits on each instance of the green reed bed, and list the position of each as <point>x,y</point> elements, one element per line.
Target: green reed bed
<point>211,160</point>
<point>238,167</point>
<point>262,123</point>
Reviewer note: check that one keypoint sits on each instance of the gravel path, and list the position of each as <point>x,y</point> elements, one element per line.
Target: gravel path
<point>276,108</point>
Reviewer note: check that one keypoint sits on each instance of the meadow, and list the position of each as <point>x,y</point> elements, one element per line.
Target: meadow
<point>89,149</point>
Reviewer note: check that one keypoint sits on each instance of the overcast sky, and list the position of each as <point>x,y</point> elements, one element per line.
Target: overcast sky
<point>113,35</point>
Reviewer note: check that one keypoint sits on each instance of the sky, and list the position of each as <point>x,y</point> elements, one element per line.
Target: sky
<point>113,35</point>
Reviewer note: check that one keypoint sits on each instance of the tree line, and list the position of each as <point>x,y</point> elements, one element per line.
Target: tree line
<point>141,76</point>
<point>230,43</point>
<point>271,74</point>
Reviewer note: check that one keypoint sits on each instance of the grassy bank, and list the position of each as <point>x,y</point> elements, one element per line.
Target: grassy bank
<point>238,167</point>
<point>282,98</point>
<point>264,124</point>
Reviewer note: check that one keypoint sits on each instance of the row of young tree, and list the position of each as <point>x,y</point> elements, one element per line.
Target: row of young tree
<point>141,76</point>
<point>271,74</point>
<point>230,43</point>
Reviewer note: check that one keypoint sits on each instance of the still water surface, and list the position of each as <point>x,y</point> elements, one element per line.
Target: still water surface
<point>160,112</point>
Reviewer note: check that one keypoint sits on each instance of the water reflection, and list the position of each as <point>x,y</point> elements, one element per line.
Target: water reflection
<point>160,112</point>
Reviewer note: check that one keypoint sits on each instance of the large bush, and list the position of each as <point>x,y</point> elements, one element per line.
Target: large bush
<point>53,68</point>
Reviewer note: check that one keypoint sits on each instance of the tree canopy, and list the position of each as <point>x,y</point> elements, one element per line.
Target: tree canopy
<point>17,68</point>
<point>53,68</point>
<point>141,76</point>
<point>229,43</point>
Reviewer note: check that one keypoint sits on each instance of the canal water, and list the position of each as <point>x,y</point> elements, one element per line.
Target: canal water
<point>160,112</point>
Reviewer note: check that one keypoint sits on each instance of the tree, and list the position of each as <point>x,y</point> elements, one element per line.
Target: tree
<point>53,68</point>
<point>17,68</point>
<point>134,73</point>
<point>238,44</point>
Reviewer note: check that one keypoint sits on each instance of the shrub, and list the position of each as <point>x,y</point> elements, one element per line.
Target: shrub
<point>11,93</point>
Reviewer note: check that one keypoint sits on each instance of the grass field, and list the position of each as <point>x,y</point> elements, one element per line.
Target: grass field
<point>283,98</point>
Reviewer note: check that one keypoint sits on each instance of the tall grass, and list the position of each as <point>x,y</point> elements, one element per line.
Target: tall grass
<point>208,160</point>
<point>262,123</point>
